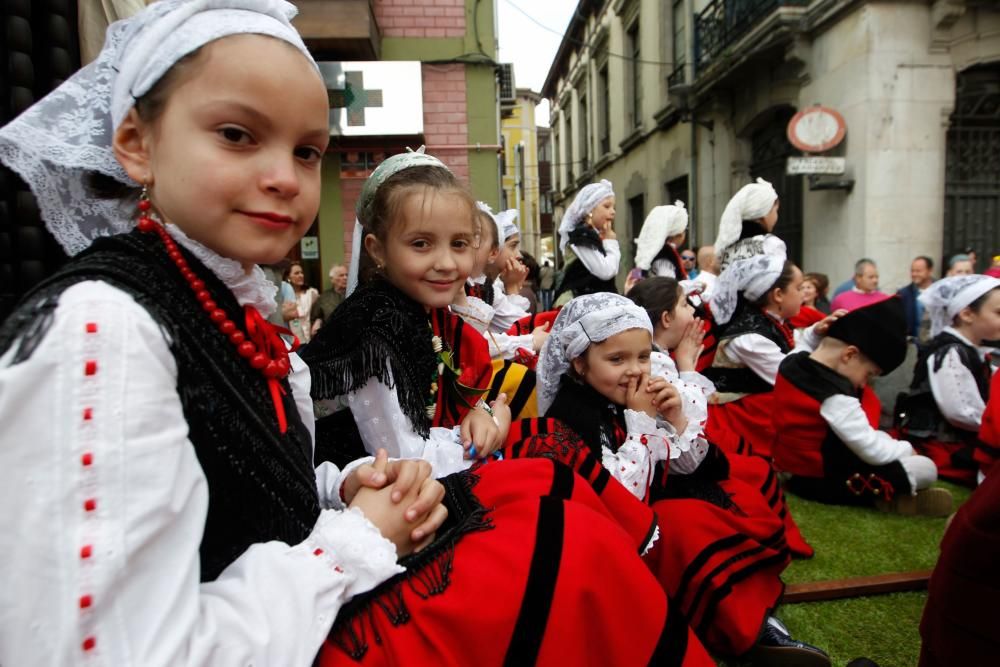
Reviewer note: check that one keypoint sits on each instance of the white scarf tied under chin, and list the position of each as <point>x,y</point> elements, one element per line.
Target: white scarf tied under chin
<point>946,298</point>
<point>586,201</point>
<point>752,202</point>
<point>67,135</point>
<point>508,222</point>
<point>592,318</point>
<point>752,277</point>
<point>495,217</point>
<point>661,223</point>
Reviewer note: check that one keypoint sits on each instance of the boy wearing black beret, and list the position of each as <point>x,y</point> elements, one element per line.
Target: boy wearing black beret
<point>826,419</point>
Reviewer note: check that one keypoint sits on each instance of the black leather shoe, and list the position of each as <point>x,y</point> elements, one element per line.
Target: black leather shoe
<point>775,647</point>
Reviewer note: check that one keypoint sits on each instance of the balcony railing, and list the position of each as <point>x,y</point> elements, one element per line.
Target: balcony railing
<point>723,22</point>
<point>677,77</point>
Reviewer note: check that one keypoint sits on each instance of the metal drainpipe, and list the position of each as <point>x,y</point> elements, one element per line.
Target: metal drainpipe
<point>693,206</point>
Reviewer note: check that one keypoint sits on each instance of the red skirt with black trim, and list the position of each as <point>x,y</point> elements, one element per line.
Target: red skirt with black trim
<point>742,426</point>
<point>552,580</point>
<point>955,461</point>
<point>549,438</point>
<point>722,565</point>
<point>526,325</point>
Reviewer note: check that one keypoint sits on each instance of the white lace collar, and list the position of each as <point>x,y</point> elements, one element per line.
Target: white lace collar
<point>249,288</point>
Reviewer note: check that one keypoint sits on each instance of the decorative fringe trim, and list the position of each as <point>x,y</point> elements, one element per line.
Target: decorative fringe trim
<point>377,332</point>
<point>428,573</point>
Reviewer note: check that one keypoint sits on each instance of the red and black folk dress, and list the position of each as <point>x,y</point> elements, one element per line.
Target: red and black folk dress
<point>959,624</point>
<point>957,452</point>
<point>822,466</point>
<point>739,415</point>
<point>728,533</point>
<point>577,410</point>
<point>724,526</point>
<point>509,579</point>
<point>989,433</point>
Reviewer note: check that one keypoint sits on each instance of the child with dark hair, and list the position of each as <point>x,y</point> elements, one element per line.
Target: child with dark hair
<point>943,410</point>
<point>411,374</point>
<point>827,434</point>
<point>724,499</point>
<point>751,304</point>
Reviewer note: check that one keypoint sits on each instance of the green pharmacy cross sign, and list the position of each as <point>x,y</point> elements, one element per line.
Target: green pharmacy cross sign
<point>355,98</point>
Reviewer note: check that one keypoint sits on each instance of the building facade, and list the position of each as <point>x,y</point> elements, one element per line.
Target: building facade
<point>690,99</point>
<point>453,45</point>
<point>520,185</point>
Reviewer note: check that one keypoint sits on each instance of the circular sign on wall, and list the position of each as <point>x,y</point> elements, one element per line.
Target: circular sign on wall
<point>816,129</point>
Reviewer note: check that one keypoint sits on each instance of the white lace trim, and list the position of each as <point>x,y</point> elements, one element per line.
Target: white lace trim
<point>352,542</point>
<point>476,312</point>
<point>587,319</point>
<point>251,288</point>
<point>652,541</point>
<point>57,142</point>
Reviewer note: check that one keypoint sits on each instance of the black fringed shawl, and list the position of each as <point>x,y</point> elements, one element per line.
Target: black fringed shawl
<point>377,332</point>
<point>598,421</point>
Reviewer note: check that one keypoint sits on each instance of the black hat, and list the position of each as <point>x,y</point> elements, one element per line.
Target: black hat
<point>878,330</point>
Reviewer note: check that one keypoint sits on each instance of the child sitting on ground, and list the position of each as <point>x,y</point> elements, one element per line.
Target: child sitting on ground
<point>943,411</point>
<point>751,304</point>
<point>826,432</point>
<point>478,303</point>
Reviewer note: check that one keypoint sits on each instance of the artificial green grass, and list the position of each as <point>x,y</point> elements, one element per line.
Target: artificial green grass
<point>855,542</point>
<point>858,542</point>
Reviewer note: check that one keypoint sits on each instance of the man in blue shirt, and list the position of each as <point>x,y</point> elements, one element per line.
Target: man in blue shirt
<point>917,326</point>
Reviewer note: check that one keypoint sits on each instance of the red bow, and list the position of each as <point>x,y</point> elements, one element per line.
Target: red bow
<point>272,357</point>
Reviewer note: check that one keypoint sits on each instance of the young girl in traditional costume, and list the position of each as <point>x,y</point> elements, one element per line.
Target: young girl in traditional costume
<point>479,302</point>
<point>411,373</point>
<point>587,228</point>
<point>514,355</point>
<point>944,408</point>
<point>746,225</point>
<point>604,408</point>
<point>157,439</point>
<point>751,304</point>
<point>727,506</point>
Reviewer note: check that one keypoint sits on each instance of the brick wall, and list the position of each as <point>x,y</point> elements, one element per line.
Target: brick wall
<point>421,18</point>
<point>446,119</point>
<point>446,123</point>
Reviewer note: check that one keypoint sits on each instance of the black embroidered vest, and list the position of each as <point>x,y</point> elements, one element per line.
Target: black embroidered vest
<point>576,278</point>
<point>811,383</point>
<point>747,319</point>
<point>918,412</point>
<point>262,484</point>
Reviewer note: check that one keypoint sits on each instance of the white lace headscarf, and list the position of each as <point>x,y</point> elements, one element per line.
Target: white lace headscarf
<point>752,277</point>
<point>752,202</point>
<point>587,319</point>
<point>586,201</point>
<point>508,220</point>
<point>68,133</point>
<point>661,223</point>
<point>946,298</point>
<point>485,208</point>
